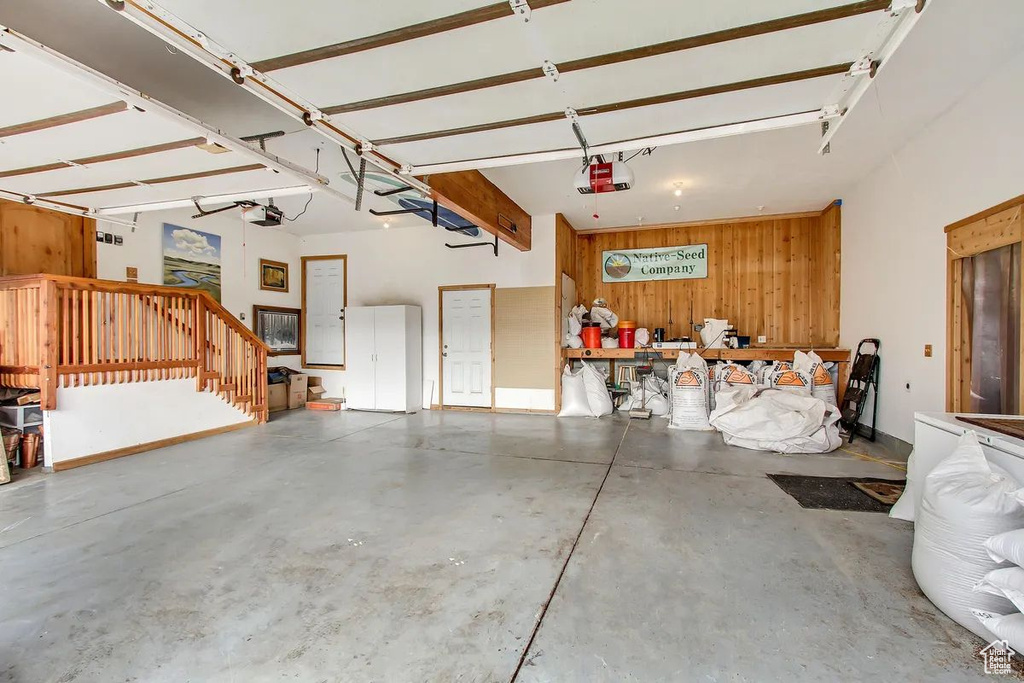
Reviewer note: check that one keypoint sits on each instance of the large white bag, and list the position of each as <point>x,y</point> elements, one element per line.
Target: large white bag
<point>791,381</point>
<point>777,421</point>
<point>688,382</point>
<point>821,379</point>
<point>1006,547</point>
<point>653,395</point>
<point>574,395</point>
<point>598,398</point>
<point>1008,627</point>
<point>1007,582</point>
<point>966,501</point>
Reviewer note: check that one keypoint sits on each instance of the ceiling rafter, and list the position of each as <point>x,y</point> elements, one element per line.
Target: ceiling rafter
<point>63,119</point>
<point>761,82</point>
<point>60,207</point>
<point>102,158</point>
<point>498,10</point>
<point>667,47</point>
<point>155,181</point>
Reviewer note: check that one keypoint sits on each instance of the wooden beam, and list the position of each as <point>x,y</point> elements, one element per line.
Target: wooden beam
<point>155,181</point>
<point>498,10</point>
<point>707,91</point>
<point>471,195</point>
<point>667,47</point>
<point>101,158</point>
<point>63,119</point>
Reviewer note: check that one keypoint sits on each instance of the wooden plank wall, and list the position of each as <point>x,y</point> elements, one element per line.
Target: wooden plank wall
<point>35,240</point>
<point>565,262</point>
<point>777,277</point>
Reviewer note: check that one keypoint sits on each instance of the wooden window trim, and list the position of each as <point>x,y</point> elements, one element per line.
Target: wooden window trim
<point>302,308</point>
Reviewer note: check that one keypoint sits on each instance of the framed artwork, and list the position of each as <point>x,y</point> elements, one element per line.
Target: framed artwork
<point>279,328</point>
<point>191,259</point>
<point>273,275</point>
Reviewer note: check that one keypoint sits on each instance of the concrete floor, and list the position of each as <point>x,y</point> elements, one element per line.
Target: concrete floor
<point>374,547</point>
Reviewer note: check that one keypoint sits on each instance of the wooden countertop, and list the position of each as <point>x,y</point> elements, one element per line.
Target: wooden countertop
<point>755,353</point>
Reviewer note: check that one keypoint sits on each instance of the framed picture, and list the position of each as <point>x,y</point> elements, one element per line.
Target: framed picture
<point>273,275</point>
<point>191,259</point>
<point>279,328</point>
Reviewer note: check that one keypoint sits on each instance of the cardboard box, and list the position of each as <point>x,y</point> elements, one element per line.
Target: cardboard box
<point>277,397</point>
<point>298,384</point>
<point>325,404</point>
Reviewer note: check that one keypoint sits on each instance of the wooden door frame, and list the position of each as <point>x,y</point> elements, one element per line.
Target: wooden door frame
<point>999,226</point>
<point>302,307</point>
<point>440,346</point>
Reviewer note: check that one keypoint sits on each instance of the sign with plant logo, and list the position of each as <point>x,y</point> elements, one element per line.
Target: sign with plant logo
<point>689,262</point>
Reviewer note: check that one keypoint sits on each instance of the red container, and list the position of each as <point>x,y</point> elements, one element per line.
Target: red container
<point>591,337</point>
<point>627,334</point>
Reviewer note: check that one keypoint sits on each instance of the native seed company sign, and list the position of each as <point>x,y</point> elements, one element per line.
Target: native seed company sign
<point>663,263</point>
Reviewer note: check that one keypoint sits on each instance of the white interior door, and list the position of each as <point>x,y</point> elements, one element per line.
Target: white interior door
<point>466,347</point>
<point>325,311</point>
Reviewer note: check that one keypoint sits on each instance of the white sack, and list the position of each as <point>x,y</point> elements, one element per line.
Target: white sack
<point>776,421</point>
<point>642,337</point>
<point>1008,627</point>
<point>966,501</point>
<point>598,398</point>
<point>609,343</point>
<point>574,395</point>
<point>712,335</point>
<point>1007,547</point>
<point>573,341</point>
<point>688,398</point>
<point>654,396</point>
<point>821,379</point>
<point>1007,582</point>
<point>575,326</point>
<point>605,316</point>
<point>791,381</point>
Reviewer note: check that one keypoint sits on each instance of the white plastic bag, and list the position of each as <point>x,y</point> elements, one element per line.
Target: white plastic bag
<point>1007,582</point>
<point>966,501</point>
<point>1008,627</point>
<point>574,395</point>
<point>575,326</point>
<point>573,341</point>
<point>598,398</point>
<point>653,396</point>
<point>609,343</point>
<point>605,316</point>
<point>642,337</point>
<point>1007,547</point>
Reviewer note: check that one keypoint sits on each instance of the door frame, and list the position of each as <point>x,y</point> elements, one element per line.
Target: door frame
<point>302,307</point>
<point>440,346</point>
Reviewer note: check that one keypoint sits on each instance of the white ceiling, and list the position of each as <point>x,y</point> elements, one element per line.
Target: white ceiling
<point>778,170</point>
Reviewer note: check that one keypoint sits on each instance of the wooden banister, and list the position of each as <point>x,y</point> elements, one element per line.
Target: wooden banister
<point>76,331</point>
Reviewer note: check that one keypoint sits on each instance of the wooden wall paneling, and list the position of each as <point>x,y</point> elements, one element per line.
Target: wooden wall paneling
<point>35,240</point>
<point>565,262</point>
<point>776,277</point>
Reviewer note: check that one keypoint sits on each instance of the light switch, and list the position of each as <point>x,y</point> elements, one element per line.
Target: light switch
<point>927,350</point>
<point>762,339</point>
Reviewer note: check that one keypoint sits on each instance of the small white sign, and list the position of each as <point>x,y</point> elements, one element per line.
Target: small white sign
<point>688,262</point>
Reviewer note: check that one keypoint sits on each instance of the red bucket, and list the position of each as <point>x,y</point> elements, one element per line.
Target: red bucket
<point>591,337</point>
<point>627,334</point>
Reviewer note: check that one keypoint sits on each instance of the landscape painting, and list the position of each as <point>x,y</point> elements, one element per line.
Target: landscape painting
<point>191,259</point>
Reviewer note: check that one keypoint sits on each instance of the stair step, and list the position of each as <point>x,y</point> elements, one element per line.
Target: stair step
<point>243,399</point>
<point>227,387</point>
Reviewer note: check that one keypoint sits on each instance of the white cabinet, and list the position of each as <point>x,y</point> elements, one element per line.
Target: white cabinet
<point>384,358</point>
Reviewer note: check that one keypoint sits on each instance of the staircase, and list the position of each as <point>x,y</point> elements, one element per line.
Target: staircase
<point>68,331</point>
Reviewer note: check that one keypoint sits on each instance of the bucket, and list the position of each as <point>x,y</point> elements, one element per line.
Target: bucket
<point>627,334</point>
<point>591,334</point>
<point>29,450</point>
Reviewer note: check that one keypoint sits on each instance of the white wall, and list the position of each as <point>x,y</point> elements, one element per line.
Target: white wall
<point>894,260</point>
<point>242,247</point>
<point>406,266</point>
<point>101,418</point>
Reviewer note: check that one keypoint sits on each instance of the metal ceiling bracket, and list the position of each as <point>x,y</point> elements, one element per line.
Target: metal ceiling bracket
<point>901,6</point>
<point>830,111</point>
<point>475,244</point>
<point>862,67</point>
<point>550,70</point>
<point>521,8</point>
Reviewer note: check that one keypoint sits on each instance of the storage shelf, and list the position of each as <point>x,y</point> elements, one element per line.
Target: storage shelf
<point>762,353</point>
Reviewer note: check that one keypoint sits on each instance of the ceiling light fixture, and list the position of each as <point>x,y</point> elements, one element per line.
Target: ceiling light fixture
<point>386,225</point>
<point>678,192</point>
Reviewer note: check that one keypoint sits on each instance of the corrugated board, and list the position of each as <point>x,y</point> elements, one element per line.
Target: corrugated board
<point>524,337</point>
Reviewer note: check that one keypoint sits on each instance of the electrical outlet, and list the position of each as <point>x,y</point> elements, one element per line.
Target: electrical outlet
<point>762,339</point>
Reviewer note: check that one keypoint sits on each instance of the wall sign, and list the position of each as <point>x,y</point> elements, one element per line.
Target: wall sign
<point>689,262</point>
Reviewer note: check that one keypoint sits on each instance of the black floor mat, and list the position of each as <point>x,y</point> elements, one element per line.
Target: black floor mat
<point>830,493</point>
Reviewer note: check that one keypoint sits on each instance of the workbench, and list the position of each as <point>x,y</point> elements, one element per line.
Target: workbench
<point>841,357</point>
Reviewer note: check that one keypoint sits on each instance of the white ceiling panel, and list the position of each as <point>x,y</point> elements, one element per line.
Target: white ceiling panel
<point>228,184</point>
<point>164,164</point>
<point>126,130</point>
<point>260,29</point>
<point>33,91</point>
<point>779,53</point>
<point>581,28</point>
<point>744,105</point>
